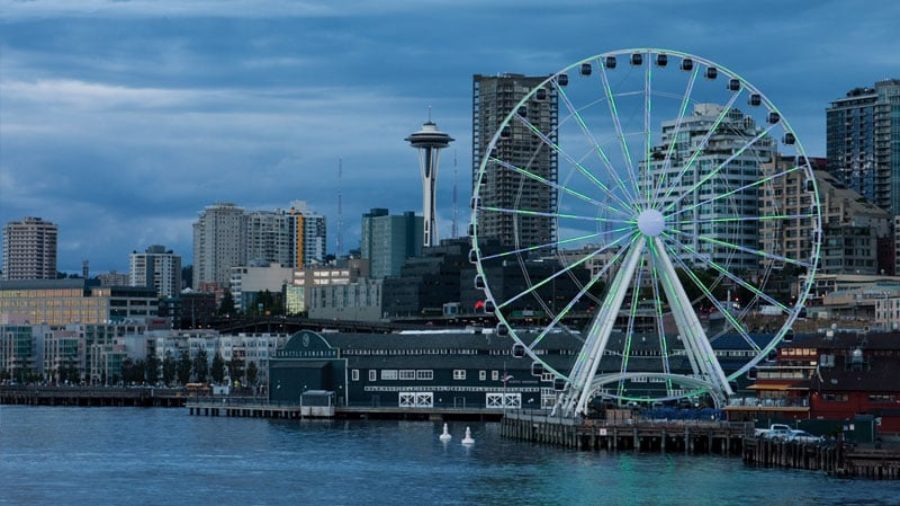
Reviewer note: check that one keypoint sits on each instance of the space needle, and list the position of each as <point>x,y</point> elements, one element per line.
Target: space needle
<point>429,141</point>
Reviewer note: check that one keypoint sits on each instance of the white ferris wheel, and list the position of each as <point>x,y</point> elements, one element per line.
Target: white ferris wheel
<point>648,203</point>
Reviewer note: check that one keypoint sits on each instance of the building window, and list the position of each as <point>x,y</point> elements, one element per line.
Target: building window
<point>495,375</point>
<point>389,375</point>
<point>354,374</point>
<point>407,374</point>
<point>373,375</point>
<point>459,374</point>
<point>482,375</point>
<point>424,375</point>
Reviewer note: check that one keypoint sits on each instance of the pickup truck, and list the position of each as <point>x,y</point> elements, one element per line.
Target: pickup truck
<point>775,431</point>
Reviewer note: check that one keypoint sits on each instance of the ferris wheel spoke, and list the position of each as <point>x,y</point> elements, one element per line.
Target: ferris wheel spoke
<point>581,168</point>
<point>685,101</point>
<point>692,253</point>
<point>551,244</point>
<point>718,305</point>
<point>703,142</point>
<point>629,329</point>
<point>722,165</point>
<point>648,105</point>
<point>526,212</point>
<point>736,190</point>
<point>571,304</point>
<point>593,140</point>
<point>745,249</point>
<point>731,219</point>
<point>567,268</point>
<point>557,186</point>
<point>614,113</point>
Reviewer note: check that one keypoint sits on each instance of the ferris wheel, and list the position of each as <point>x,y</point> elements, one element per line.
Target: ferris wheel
<point>648,204</point>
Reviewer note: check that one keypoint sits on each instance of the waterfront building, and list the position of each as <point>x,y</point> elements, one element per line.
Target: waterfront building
<point>734,131</point>
<point>157,268</point>
<point>219,244</point>
<point>247,282</point>
<point>854,231</point>
<point>828,377</point>
<point>29,249</point>
<point>113,278</point>
<point>22,350</point>
<point>862,132</point>
<point>441,368</point>
<point>64,301</point>
<point>388,240</point>
<point>493,99</point>
<point>360,300</point>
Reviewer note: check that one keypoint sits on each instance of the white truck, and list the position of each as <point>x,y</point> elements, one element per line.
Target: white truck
<point>775,431</point>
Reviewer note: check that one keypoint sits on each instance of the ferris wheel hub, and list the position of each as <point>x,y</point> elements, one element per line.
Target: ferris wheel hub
<point>651,222</point>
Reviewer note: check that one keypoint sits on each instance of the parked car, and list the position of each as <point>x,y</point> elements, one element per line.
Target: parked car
<point>801,436</point>
<point>775,431</point>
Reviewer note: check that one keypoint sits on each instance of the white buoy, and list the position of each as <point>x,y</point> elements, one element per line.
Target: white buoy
<point>468,439</point>
<point>445,436</point>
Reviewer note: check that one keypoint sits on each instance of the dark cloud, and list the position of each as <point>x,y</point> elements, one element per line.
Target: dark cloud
<point>121,120</point>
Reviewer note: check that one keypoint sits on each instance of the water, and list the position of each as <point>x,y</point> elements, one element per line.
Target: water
<point>80,456</point>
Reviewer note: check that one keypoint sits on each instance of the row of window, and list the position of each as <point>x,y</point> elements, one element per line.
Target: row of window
<point>422,375</point>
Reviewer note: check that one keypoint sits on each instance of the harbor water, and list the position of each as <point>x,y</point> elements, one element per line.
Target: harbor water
<point>77,456</point>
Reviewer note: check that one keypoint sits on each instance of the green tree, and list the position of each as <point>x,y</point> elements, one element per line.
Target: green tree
<point>227,305</point>
<point>236,369</point>
<point>152,369</point>
<point>201,366</point>
<point>168,369</point>
<point>218,369</point>
<point>252,373</point>
<point>184,367</point>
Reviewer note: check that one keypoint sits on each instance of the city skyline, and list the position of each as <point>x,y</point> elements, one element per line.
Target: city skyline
<point>131,120</point>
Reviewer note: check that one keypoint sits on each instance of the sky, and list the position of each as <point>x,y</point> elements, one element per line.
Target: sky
<point>120,120</point>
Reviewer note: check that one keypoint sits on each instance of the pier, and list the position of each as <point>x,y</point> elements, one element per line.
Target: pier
<point>661,436</point>
<point>93,396</point>
<point>837,459</point>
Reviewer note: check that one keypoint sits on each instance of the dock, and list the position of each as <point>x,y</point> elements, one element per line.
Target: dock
<point>261,408</point>
<point>93,396</point>
<point>662,436</point>
<point>836,459</point>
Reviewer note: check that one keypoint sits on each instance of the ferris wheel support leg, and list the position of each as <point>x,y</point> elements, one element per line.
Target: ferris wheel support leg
<point>696,341</point>
<point>598,334</point>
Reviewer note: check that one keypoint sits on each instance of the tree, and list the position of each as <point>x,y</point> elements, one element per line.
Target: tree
<point>183,368</point>
<point>252,373</point>
<point>227,305</point>
<point>201,366</point>
<point>218,369</point>
<point>168,369</point>
<point>152,369</point>
<point>235,369</point>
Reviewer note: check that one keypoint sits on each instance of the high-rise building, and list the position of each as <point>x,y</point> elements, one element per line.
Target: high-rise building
<point>863,128</point>
<point>735,130</point>
<point>219,244</point>
<point>157,268</point>
<point>494,97</point>
<point>429,141</point>
<point>852,227</point>
<point>269,237</point>
<point>29,249</point>
<point>309,235</point>
<point>388,240</point>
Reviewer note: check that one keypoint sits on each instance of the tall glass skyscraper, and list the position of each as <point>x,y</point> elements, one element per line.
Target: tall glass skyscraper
<point>864,142</point>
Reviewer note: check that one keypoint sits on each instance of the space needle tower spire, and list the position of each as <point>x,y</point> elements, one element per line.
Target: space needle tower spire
<point>429,141</point>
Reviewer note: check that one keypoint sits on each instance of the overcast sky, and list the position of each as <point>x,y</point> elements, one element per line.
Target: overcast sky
<point>120,120</point>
